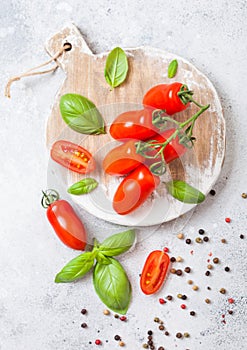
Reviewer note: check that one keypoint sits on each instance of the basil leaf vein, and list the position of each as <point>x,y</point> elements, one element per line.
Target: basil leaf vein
<point>117,243</point>
<point>116,67</point>
<point>184,192</point>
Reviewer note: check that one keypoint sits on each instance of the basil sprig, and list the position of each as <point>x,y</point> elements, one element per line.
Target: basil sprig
<point>83,186</point>
<point>110,280</point>
<point>112,286</point>
<point>172,68</point>
<point>184,192</point>
<point>81,114</point>
<point>116,67</point>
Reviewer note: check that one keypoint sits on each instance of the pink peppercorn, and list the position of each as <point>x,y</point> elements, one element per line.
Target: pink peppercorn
<point>228,220</point>
<point>166,250</point>
<point>123,318</point>
<point>231,301</point>
<point>162,301</point>
<point>98,342</point>
<point>183,306</point>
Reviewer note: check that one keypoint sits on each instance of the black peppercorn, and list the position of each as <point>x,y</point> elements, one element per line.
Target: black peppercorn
<point>169,297</point>
<point>188,241</point>
<point>227,269</point>
<point>184,297</point>
<point>161,327</point>
<point>116,316</point>
<point>83,325</point>
<point>212,192</point>
<point>216,260</point>
<point>117,337</point>
<point>150,332</point>
<point>241,236</point>
<point>173,259</point>
<point>230,312</point>
<point>206,239</point>
<point>207,273</point>
<point>83,311</point>
<point>201,231</point>
<point>192,313</point>
<point>187,269</point>
<point>150,342</point>
<point>179,335</point>
<point>167,333</point>
<point>179,272</point>
<point>161,348</point>
<point>150,337</point>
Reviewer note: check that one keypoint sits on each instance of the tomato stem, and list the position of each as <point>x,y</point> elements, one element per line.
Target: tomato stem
<point>49,197</point>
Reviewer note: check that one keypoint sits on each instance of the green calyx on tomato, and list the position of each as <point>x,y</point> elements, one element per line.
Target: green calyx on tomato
<point>154,272</point>
<point>72,157</point>
<point>64,220</point>
<point>110,281</point>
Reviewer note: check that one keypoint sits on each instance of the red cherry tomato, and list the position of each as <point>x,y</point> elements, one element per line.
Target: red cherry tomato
<point>122,159</point>
<point>134,190</point>
<point>154,272</point>
<point>72,156</point>
<point>64,221</point>
<point>165,97</point>
<point>133,125</point>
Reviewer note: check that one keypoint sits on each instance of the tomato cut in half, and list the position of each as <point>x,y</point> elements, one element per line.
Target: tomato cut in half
<point>154,272</point>
<point>72,157</point>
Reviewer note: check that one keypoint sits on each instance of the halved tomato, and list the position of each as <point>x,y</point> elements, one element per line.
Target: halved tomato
<point>154,271</point>
<point>72,157</point>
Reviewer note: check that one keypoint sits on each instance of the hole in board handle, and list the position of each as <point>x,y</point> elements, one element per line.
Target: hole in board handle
<point>68,46</point>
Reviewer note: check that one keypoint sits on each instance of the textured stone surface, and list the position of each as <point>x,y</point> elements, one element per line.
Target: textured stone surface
<point>34,312</point>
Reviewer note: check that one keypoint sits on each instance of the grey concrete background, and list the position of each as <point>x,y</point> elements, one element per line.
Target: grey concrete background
<point>34,312</point>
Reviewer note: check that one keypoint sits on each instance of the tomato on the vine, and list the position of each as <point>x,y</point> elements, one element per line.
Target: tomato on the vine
<point>72,156</point>
<point>172,98</point>
<point>154,272</point>
<point>134,125</point>
<point>134,190</point>
<point>64,221</point>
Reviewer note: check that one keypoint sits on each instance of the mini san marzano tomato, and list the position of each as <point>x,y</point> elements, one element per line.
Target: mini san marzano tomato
<point>154,272</point>
<point>72,157</point>
<point>134,190</point>
<point>172,98</point>
<point>64,220</point>
<point>136,125</point>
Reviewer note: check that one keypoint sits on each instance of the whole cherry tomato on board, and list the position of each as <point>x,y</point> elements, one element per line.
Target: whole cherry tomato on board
<point>72,156</point>
<point>122,159</point>
<point>172,98</point>
<point>134,190</point>
<point>133,125</point>
<point>154,272</point>
<point>64,220</point>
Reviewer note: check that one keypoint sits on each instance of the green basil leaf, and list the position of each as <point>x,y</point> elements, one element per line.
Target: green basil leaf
<point>76,268</point>
<point>102,259</point>
<point>116,67</point>
<point>112,286</point>
<point>81,114</point>
<point>172,68</point>
<point>84,186</point>
<point>118,243</point>
<point>184,192</point>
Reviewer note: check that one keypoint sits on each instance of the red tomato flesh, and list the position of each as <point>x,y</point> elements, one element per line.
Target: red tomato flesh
<point>67,224</point>
<point>72,157</point>
<point>154,272</point>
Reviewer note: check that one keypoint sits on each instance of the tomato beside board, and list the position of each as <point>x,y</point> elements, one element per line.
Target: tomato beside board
<point>72,156</point>
<point>64,221</point>
<point>165,97</point>
<point>133,125</point>
<point>154,272</point>
<point>134,190</point>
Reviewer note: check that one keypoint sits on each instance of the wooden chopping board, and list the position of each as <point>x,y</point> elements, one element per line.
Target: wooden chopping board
<point>84,71</point>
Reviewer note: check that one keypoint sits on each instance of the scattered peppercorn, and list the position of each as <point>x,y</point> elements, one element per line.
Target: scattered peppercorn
<point>152,347</point>
<point>223,240</point>
<point>98,342</point>
<point>179,272</point>
<point>150,342</point>
<point>198,240</point>
<point>83,311</point>
<point>212,192</point>
<point>162,301</point>
<point>150,332</point>
<point>83,325</point>
<point>227,269</point>
<point>241,236</point>
<point>116,316</point>
<point>173,271</point>
<point>169,297</point>
<point>190,282</point>
<point>188,241</point>
<point>210,266</point>
<point>179,296</point>
<point>161,327</point>
<point>230,312</point>
<point>195,287</point>
<point>161,348</point>
<point>207,301</point>
<point>173,259</point>
<point>156,319</point>
<point>206,239</point>
<point>207,273</point>
<point>179,259</point>
<point>231,301</point>
<point>192,313</point>
<point>166,250</point>
<point>123,318</point>
<point>222,291</point>
<point>167,333</point>
<point>184,297</point>
<point>145,346</point>
<point>187,269</point>
<point>244,195</point>
<point>228,220</point>
<point>208,288</point>
<point>106,312</point>
<point>117,337</point>
<point>216,260</point>
<point>183,306</point>
<point>121,343</point>
<point>150,337</point>
<point>180,235</point>
<point>186,335</point>
<point>179,335</point>
<point>201,231</point>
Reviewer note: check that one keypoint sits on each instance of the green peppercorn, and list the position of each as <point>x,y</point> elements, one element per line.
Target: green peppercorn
<point>198,240</point>
<point>186,335</point>
<point>145,346</point>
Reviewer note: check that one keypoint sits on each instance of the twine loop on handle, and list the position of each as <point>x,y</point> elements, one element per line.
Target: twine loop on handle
<point>32,71</point>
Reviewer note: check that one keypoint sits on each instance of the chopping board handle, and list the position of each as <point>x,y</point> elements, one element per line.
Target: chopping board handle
<point>69,34</point>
